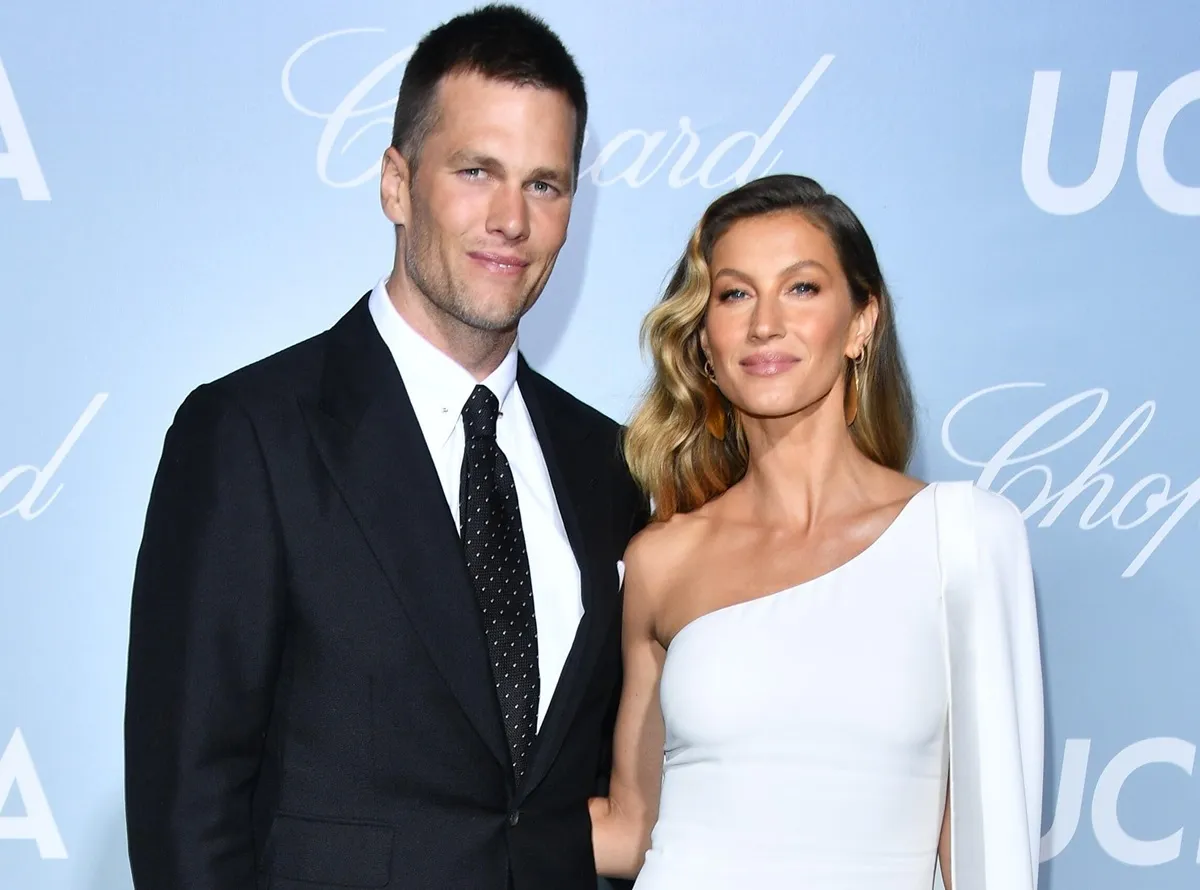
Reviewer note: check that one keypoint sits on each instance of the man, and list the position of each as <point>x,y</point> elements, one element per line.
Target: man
<point>375,623</point>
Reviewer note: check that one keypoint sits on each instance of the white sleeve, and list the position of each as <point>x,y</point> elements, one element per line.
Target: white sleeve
<point>1011,697</point>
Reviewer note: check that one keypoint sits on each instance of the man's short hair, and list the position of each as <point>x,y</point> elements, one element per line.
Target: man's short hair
<point>499,42</point>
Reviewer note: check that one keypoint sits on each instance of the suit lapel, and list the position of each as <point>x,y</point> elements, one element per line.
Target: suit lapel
<point>371,442</point>
<point>584,509</point>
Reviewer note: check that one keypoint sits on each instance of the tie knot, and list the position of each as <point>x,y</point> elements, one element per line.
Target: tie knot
<point>480,413</point>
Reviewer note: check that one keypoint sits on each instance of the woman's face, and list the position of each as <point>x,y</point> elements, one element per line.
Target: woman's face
<point>780,321</point>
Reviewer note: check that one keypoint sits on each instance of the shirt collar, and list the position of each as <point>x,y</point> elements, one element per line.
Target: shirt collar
<point>437,385</point>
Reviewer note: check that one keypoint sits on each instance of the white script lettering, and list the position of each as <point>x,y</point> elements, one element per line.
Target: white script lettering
<point>1143,500</point>
<point>640,151</point>
<point>42,475</point>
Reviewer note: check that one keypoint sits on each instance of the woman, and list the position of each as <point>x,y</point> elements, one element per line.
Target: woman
<point>840,662</point>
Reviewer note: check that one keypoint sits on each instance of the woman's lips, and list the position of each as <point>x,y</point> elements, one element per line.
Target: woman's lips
<point>767,364</point>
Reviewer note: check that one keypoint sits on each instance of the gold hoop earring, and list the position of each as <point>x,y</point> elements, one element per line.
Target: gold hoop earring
<point>714,407</point>
<point>861,359</point>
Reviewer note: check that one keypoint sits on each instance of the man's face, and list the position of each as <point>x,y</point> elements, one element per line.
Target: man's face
<point>486,213</point>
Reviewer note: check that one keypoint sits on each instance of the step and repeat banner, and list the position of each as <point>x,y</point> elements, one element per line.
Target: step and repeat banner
<point>186,188</point>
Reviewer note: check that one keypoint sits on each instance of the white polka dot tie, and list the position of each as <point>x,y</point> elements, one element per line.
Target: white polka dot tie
<point>498,562</point>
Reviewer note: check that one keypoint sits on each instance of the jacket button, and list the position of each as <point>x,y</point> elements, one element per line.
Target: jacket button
<point>514,817</point>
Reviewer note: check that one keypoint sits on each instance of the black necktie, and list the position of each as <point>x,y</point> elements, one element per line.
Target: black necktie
<point>499,567</point>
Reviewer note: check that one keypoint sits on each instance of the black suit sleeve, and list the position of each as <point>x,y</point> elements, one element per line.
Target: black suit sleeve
<point>204,647</point>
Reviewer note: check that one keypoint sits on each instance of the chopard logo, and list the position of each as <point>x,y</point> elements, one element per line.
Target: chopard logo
<point>633,156</point>
<point>1094,487</point>
<point>28,506</point>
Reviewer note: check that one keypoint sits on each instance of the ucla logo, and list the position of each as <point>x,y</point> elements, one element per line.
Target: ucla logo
<point>1157,182</point>
<point>18,774</point>
<point>19,161</point>
<point>1111,835</point>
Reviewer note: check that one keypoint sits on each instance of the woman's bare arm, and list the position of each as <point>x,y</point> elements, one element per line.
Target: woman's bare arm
<point>621,822</point>
<point>944,843</point>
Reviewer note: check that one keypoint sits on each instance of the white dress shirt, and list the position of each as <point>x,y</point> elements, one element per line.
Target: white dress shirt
<point>438,388</point>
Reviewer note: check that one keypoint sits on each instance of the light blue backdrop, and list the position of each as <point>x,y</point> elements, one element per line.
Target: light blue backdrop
<point>185,188</point>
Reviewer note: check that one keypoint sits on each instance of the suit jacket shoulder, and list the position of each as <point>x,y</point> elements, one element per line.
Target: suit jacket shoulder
<point>290,371</point>
<point>271,387</point>
<point>597,435</point>
<point>597,439</point>
<point>558,403</point>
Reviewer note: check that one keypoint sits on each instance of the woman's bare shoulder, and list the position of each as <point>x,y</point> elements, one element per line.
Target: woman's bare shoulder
<point>662,551</point>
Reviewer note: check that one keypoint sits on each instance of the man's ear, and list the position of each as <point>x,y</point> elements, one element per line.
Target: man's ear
<point>395,184</point>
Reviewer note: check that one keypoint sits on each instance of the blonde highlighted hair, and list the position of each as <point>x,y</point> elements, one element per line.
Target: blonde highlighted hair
<point>685,444</point>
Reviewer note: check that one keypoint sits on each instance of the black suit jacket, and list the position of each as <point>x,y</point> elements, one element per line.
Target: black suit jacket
<point>309,700</point>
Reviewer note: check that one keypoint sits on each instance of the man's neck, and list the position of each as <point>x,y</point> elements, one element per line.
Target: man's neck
<point>480,352</point>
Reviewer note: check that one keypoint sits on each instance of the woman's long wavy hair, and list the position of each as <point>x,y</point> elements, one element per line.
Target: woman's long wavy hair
<point>685,444</point>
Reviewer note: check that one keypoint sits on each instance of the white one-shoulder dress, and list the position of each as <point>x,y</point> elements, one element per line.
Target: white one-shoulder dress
<point>808,731</point>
